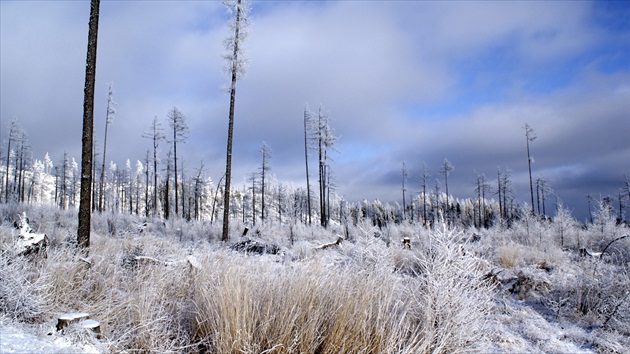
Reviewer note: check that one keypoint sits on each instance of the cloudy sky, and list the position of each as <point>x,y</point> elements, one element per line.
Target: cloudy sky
<point>403,81</point>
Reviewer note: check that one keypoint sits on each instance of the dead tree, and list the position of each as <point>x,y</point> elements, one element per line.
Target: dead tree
<point>236,68</point>
<point>109,117</point>
<point>155,134</point>
<point>177,122</point>
<point>530,135</point>
<point>265,154</point>
<point>83,231</point>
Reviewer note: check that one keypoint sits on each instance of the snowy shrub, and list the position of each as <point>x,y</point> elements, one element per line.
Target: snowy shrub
<point>24,289</point>
<point>451,301</point>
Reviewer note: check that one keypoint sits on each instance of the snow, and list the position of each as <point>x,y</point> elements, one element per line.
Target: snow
<point>21,340</point>
<point>74,316</point>
<point>520,328</point>
<point>89,324</point>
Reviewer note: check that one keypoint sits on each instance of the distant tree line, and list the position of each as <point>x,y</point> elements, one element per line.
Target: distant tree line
<point>151,188</point>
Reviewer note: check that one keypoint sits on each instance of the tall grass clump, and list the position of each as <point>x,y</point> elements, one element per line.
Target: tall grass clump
<point>250,305</point>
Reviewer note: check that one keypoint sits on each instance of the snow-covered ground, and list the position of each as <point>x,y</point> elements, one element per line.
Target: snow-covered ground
<point>519,328</point>
<point>566,302</point>
<point>19,338</point>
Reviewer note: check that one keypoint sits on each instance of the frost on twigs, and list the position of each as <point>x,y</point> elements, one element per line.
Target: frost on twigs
<point>454,298</point>
<point>235,56</point>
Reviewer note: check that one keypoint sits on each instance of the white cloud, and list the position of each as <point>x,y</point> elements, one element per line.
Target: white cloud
<point>413,81</point>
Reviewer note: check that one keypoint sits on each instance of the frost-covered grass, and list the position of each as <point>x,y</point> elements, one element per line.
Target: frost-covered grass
<point>366,295</point>
<point>356,297</point>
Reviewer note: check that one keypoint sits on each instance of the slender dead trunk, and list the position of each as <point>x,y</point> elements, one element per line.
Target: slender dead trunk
<point>83,231</point>
<point>228,161</point>
<point>308,183</point>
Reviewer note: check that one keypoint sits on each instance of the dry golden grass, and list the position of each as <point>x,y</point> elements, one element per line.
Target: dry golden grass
<point>255,306</point>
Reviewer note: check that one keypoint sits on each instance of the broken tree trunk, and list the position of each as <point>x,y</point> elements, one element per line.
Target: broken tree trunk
<point>326,245</point>
<point>28,241</point>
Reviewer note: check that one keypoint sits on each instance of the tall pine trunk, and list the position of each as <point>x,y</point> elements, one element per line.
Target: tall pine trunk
<point>83,231</point>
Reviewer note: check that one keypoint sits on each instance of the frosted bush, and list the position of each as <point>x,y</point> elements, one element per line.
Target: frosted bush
<point>23,290</point>
<point>451,301</point>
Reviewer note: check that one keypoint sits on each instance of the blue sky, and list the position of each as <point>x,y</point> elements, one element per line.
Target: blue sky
<point>410,81</point>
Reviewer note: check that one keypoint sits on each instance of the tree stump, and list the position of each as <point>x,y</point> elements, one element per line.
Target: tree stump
<point>68,318</point>
<point>93,326</point>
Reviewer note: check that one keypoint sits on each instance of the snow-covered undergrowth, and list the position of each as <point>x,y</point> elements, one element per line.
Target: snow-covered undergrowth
<point>176,288</point>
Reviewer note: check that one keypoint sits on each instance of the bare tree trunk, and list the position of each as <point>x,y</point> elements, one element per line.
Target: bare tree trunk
<point>146,186</point>
<point>265,152</point>
<point>155,185</point>
<point>322,171</point>
<point>167,206</point>
<point>538,194</point>
<point>6,189</point>
<point>405,173</point>
<point>530,136</point>
<point>177,122</point>
<point>155,135</point>
<point>107,121</point>
<point>83,231</point>
<point>499,192</point>
<point>308,183</point>
<point>423,179</point>
<point>214,200</point>
<point>446,169</point>
<point>225,236</point>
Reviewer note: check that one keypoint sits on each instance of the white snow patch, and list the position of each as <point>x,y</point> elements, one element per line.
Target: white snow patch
<point>519,328</point>
<point>20,340</point>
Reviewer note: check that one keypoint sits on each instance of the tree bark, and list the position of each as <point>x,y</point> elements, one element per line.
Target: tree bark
<point>83,231</point>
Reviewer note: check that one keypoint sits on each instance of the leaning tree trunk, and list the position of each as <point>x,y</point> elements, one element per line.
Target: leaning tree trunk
<point>83,231</point>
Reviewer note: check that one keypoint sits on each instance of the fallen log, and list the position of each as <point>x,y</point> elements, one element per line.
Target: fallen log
<point>326,245</point>
<point>251,246</point>
<point>28,241</point>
